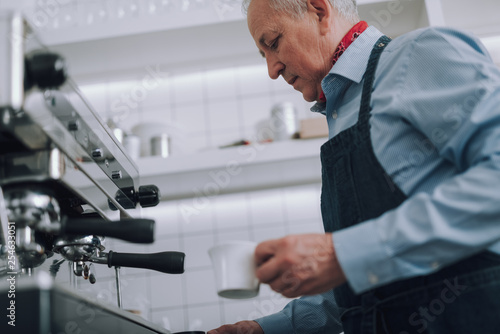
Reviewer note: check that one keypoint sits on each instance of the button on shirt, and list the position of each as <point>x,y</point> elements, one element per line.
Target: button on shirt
<point>435,128</point>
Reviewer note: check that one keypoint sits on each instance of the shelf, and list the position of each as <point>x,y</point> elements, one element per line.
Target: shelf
<point>234,169</point>
<point>229,170</point>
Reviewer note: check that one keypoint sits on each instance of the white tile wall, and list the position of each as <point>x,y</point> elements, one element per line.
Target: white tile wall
<point>189,301</point>
<point>258,215</point>
<point>204,109</point>
<point>200,286</point>
<point>167,291</point>
<point>232,212</point>
<point>267,207</point>
<point>203,317</point>
<point>173,318</point>
<point>197,245</point>
<point>221,84</point>
<point>202,220</point>
<point>223,116</point>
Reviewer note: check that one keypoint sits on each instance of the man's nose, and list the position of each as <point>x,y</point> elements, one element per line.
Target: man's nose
<point>274,66</point>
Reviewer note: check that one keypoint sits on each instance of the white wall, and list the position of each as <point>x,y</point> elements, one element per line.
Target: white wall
<point>201,109</point>
<point>189,301</point>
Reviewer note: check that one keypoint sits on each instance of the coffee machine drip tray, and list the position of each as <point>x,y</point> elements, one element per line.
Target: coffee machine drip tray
<point>43,307</point>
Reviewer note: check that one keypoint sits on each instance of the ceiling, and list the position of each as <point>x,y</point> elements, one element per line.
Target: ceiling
<point>213,36</point>
<point>205,38</point>
<point>478,16</point>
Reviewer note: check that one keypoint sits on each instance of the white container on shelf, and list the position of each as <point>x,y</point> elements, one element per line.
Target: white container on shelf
<point>171,138</point>
<point>132,145</point>
<point>160,145</point>
<point>283,122</point>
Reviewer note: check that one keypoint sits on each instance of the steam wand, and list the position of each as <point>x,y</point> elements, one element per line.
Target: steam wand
<point>118,287</point>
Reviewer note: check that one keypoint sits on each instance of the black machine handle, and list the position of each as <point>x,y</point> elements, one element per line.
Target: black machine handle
<point>147,196</point>
<point>165,262</point>
<point>132,230</point>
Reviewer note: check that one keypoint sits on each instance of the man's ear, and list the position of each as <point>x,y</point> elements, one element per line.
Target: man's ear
<point>322,11</point>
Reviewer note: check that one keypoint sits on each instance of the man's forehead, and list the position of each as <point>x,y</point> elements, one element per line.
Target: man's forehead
<point>260,11</point>
<point>265,30</point>
<point>261,20</point>
<point>258,4</point>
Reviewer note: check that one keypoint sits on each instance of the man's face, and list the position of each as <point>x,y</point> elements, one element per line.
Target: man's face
<point>293,48</point>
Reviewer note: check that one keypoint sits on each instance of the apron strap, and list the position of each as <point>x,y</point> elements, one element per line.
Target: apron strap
<point>364,111</point>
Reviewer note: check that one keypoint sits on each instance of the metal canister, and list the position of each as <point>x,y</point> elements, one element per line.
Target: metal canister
<point>283,122</point>
<point>160,145</point>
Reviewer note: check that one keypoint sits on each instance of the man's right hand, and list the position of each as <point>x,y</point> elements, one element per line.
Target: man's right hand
<point>242,327</point>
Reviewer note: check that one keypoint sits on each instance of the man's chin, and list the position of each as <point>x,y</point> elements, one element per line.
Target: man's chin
<point>309,95</point>
<point>309,98</point>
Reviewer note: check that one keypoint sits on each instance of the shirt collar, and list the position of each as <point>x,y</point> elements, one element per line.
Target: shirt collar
<point>352,64</point>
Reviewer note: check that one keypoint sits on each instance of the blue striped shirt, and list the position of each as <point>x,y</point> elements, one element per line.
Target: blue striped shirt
<point>435,128</point>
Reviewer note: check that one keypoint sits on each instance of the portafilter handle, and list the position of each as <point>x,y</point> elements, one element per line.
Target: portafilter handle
<point>132,230</point>
<point>165,262</point>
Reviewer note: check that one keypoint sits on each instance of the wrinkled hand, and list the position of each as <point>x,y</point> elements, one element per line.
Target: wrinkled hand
<point>298,265</point>
<point>242,327</point>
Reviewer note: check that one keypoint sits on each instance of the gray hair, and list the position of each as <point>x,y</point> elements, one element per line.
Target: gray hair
<point>348,9</point>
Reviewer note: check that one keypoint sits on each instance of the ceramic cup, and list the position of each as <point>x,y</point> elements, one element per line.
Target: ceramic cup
<point>234,267</point>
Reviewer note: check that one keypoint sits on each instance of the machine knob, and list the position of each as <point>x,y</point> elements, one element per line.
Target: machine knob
<point>128,198</point>
<point>148,196</point>
<point>45,70</point>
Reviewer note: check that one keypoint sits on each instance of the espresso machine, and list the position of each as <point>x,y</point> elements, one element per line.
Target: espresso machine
<point>59,162</point>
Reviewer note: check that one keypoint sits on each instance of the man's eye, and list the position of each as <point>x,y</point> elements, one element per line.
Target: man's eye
<point>274,44</point>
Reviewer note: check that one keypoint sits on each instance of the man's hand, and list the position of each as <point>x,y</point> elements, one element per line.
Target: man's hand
<point>298,265</point>
<point>242,327</point>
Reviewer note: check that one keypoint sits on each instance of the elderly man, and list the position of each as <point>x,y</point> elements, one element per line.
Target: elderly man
<point>411,177</point>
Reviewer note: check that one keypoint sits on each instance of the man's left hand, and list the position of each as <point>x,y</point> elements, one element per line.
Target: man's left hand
<point>298,265</point>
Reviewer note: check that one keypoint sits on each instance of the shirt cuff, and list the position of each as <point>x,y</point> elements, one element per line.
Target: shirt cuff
<point>363,258</point>
<point>275,323</point>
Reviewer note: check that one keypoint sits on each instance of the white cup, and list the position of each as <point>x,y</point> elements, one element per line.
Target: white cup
<point>234,268</point>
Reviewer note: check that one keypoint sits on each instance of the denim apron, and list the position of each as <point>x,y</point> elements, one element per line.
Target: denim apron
<point>461,298</point>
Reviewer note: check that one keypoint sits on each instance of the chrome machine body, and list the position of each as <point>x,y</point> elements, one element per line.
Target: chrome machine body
<point>59,163</point>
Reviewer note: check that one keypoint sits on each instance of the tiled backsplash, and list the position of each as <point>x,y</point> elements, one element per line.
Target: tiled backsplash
<point>189,301</point>
<point>199,110</point>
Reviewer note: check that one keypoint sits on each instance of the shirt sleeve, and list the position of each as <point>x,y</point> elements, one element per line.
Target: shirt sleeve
<point>306,315</point>
<point>449,90</point>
